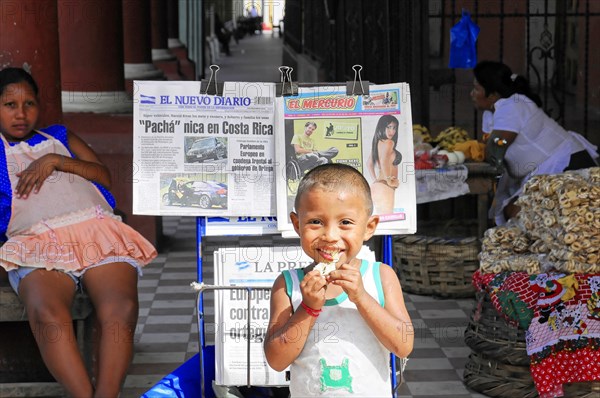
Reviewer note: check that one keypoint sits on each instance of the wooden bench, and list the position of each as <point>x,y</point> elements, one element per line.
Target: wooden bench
<point>22,371</point>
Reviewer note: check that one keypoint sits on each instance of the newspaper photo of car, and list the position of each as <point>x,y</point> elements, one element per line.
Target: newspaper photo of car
<point>206,148</point>
<point>186,192</point>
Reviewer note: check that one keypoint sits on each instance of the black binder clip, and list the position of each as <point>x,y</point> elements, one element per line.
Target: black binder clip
<point>286,87</point>
<point>362,88</point>
<point>212,86</point>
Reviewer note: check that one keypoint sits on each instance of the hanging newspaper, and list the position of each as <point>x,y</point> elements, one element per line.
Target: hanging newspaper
<point>372,133</point>
<point>257,268</point>
<point>197,154</point>
<point>249,267</point>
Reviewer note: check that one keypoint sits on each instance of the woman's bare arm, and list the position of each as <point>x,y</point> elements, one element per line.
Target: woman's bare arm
<point>371,167</point>
<point>86,164</point>
<point>507,136</point>
<point>497,144</point>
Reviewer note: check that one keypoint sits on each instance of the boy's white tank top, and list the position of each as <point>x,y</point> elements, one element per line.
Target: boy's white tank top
<point>342,356</point>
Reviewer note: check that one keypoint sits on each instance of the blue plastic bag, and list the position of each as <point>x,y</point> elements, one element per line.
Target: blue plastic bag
<point>463,43</point>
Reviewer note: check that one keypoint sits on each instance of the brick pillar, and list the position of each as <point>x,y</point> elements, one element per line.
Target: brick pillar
<point>137,45</point>
<point>96,105</point>
<point>162,57</point>
<point>160,48</point>
<point>187,68</point>
<point>29,39</point>
<point>91,55</point>
<point>173,24</point>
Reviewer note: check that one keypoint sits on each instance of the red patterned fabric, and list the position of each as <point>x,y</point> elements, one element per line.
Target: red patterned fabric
<point>561,313</point>
<point>565,367</point>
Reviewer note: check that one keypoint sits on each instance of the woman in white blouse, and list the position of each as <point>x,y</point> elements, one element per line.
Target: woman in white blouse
<point>534,142</point>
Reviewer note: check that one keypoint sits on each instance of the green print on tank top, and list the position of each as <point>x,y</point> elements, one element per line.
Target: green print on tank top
<point>335,376</point>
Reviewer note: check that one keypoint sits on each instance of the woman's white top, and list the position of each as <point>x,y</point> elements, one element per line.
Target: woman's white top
<point>542,146</point>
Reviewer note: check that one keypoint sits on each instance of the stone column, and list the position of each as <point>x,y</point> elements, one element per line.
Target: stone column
<point>160,47</point>
<point>187,68</point>
<point>173,24</point>
<point>29,39</point>
<point>137,49</point>
<point>91,55</point>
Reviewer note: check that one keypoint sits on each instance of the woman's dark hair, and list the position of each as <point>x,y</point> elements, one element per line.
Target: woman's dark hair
<point>380,135</point>
<point>16,75</point>
<point>496,77</point>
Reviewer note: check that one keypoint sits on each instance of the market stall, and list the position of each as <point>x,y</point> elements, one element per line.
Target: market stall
<point>451,164</point>
<point>451,181</point>
<point>445,167</point>
<point>541,275</point>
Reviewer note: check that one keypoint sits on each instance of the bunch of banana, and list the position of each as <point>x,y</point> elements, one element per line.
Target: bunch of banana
<point>451,136</point>
<point>421,133</point>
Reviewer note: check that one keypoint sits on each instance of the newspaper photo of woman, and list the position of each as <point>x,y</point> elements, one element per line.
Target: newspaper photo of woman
<point>383,164</point>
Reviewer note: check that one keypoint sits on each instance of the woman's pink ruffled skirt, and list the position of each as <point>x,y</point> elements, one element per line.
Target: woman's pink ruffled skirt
<point>94,236</point>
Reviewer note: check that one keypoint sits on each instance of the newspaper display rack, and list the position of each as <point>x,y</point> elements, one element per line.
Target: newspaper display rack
<point>205,350</point>
<point>228,226</point>
<point>201,288</point>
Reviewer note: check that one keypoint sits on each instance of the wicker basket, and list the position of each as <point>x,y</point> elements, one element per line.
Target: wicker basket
<point>436,266</point>
<point>490,334</point>
<point>496,379</point>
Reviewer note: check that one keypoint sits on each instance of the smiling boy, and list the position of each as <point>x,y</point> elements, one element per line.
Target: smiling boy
<point>337,331</point>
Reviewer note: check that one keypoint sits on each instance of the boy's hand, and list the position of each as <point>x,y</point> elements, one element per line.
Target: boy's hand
<point>349,279</point>
<point>33,177</point>
<point>313,289</point>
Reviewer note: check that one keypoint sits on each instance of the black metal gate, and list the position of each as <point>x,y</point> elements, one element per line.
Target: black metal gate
<point>554,53</point>
<point>548,41</point>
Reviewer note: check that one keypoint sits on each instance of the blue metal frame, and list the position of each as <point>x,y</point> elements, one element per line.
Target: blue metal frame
<point>206,351</point>
<point>387,253</point>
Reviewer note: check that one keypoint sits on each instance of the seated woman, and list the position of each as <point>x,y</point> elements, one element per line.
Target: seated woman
<point>533,142</point>
<point>383,164</point>
<point>63,236</point>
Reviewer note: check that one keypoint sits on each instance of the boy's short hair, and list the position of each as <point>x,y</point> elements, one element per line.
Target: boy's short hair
<point>335,176</point>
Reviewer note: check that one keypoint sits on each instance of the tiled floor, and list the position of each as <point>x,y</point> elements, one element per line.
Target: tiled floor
<point>167,334</point>
<point>435,367</point>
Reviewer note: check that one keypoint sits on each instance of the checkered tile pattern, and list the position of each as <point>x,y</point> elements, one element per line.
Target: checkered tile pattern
<point>167,332</point>
<point>435,367</point>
